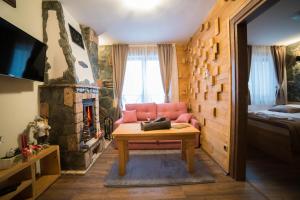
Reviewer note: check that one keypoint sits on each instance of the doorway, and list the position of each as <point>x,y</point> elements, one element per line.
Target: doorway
<point>239,100</point>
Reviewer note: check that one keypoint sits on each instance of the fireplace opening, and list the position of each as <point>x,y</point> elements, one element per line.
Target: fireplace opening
<point>89,129</point>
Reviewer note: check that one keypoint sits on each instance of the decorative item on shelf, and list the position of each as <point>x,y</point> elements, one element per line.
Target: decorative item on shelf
<point>217,26</point>
<point>12,157</point>
<point>38,131</point>
<point>31,150</point>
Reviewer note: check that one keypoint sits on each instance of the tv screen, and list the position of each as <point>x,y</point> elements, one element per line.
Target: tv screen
<point>21,55</point>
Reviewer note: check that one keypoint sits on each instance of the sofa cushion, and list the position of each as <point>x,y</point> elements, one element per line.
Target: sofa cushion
<point>129,116</point>
<point>184,118</point>
<point>171,110</point>
<point>143,110</point>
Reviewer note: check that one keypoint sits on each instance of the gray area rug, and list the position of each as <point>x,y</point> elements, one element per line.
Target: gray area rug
<point>157,170</point>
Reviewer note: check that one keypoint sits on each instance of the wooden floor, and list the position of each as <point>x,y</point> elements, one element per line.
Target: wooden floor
<point>90,186</point>
<point>275,179</point>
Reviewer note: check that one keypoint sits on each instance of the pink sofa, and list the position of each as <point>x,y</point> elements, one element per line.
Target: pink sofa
<point>169,110</point>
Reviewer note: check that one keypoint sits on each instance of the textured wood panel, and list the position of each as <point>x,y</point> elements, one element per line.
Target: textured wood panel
<point>183,72</point>
<point>208,57</point>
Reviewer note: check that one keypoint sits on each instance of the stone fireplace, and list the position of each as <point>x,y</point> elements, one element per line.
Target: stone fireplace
<point>70,96</point>
<point>73,113</point>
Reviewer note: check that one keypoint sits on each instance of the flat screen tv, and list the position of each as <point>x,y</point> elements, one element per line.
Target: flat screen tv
<point>21,55</point>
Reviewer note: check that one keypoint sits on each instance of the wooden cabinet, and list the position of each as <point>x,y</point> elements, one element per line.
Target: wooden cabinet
<point>33,184</point>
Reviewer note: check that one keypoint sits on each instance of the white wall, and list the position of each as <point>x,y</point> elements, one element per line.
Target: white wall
<point>19,98</point>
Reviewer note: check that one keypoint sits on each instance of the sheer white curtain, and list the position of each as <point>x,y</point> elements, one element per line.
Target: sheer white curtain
<point>262,81</point>
<point>142,77</point>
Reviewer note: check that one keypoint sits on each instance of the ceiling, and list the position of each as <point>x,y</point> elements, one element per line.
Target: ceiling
<point>170,21</point>
<point>276,26</point>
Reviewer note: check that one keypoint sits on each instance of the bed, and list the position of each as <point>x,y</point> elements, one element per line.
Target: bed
<point>275,132</point>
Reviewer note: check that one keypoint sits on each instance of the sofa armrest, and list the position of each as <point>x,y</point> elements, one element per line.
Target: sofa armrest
<point>118,122</point>
<point>195,123</point>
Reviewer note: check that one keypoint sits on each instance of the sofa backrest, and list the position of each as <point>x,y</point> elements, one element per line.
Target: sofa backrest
<point>142,110</point>
<point>171,110</point>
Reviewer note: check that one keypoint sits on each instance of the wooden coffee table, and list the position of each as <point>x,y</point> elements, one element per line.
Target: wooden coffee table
<point>127,132</point>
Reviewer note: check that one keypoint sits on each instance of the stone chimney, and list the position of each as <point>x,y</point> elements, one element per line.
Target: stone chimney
<point>69,84</point>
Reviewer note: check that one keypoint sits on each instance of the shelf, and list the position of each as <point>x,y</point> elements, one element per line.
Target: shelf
<point>21,187</point>
<point>4,174</point>
<point>31,187</point>
<point>43,182</point>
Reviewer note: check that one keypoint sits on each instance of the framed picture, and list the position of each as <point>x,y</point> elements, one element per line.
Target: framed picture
<point>11,2</point>
<point>76,36</point>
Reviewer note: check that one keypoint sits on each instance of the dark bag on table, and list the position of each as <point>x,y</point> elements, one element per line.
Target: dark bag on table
<point>158,124</point>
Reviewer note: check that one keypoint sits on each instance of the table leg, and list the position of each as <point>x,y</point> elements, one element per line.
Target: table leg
<point>183,149</point>
<point>126,152</point>
<point>122,157</point>
<point>190,152</point>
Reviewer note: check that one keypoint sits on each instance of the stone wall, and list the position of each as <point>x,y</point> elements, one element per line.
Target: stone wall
<point>106,94</point>
<point>293,72</point>
<point>105,62</point>
<point>91,42</point>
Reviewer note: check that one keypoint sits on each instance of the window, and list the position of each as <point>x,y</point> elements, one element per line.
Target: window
<point>262,81</point>
<point>142,82</point>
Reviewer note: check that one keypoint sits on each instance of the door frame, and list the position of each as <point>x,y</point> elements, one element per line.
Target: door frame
<point>239,84</point>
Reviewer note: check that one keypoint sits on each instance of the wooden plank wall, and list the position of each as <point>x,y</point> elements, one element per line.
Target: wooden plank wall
<point>208,57</point>
<point>183,73</point>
